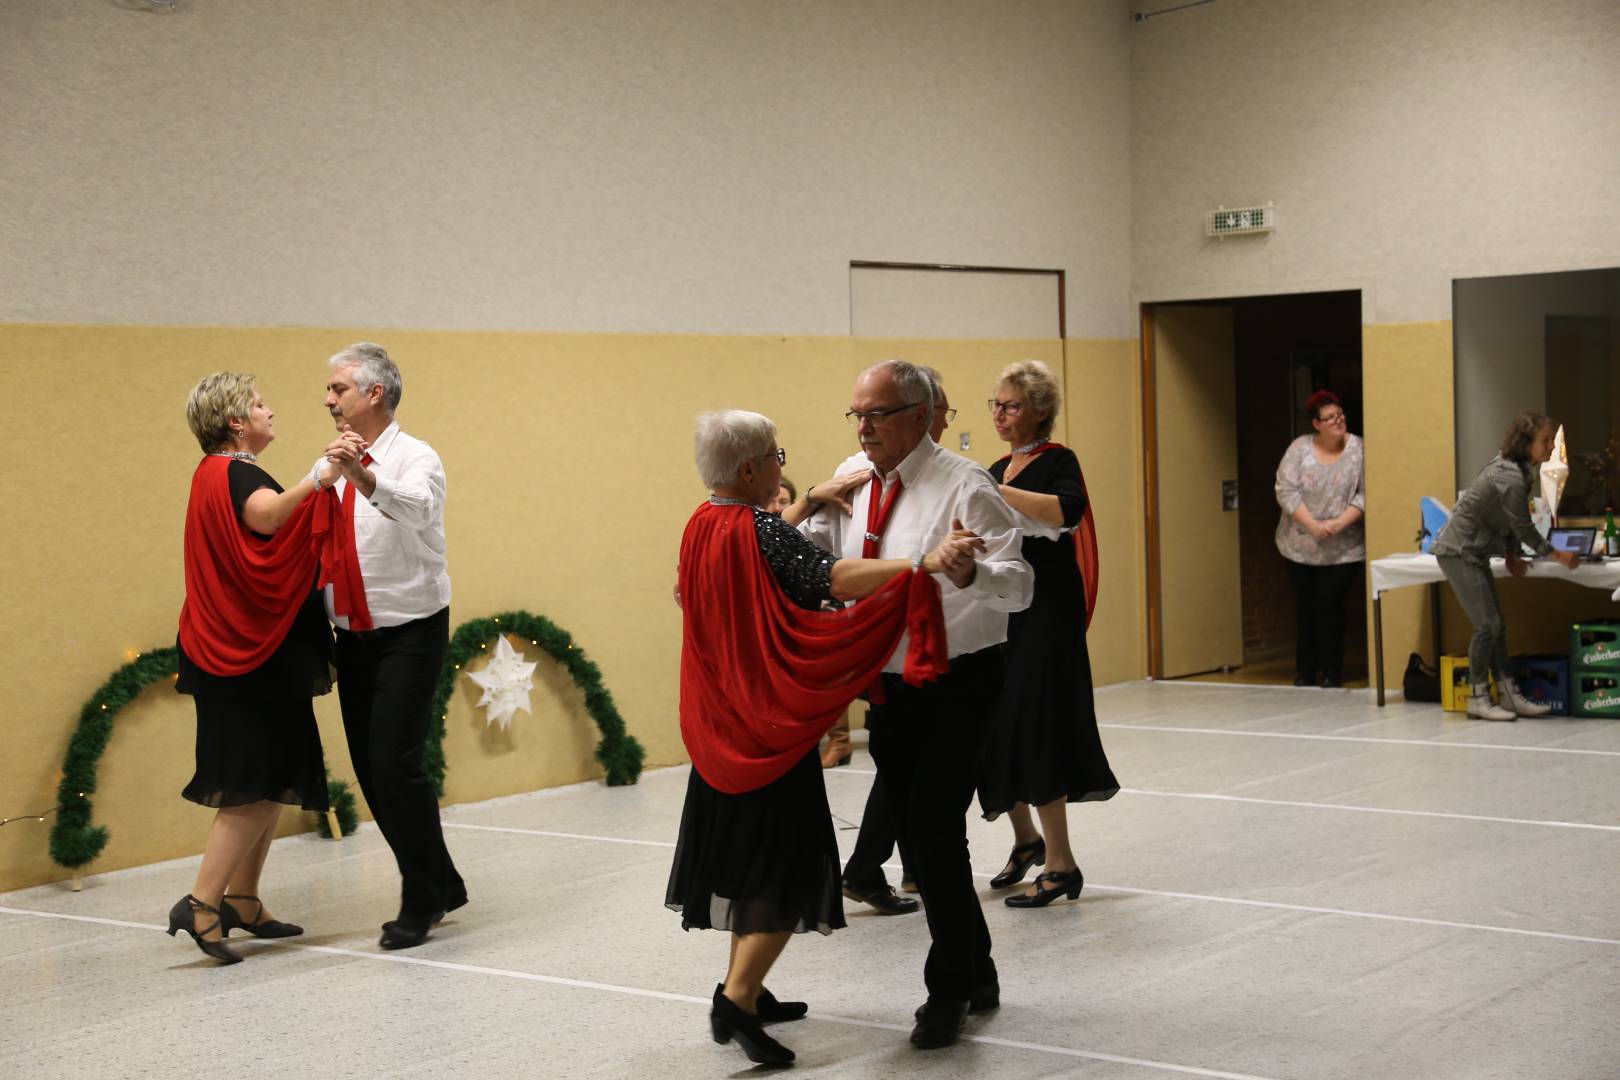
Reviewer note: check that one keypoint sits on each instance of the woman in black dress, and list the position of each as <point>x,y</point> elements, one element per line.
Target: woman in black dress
<point>1044,750</point>
<point>764,673</point>
<point>255,647</point>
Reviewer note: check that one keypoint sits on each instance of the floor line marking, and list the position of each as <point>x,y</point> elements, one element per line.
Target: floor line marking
<point>661,995</point>
<point>1549,822</point>
<point>1359,739</point>
<point>1345,912</point>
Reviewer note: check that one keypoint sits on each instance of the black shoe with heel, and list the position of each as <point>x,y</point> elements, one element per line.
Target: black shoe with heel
<point>1064,883</point>
<point>1019,861</point>
<point>231,919</point>
<point>183,916</point>
<point>727,1021</point>
<point>771,1011</point>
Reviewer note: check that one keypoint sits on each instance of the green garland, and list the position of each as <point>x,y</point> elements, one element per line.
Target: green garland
<point>619,753</point>
<point>75,842</point>
<point>341,799</point>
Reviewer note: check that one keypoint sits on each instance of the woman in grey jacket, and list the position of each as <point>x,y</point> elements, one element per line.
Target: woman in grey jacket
<point>1493,518</point>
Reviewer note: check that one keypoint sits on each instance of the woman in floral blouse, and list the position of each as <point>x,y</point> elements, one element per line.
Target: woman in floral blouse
<point>1320,489</point>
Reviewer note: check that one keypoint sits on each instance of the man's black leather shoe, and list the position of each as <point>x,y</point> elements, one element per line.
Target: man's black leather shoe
<point>939,1023</point>
<point>985,999</point>
<point>886,900</point>
<point>406,933</point>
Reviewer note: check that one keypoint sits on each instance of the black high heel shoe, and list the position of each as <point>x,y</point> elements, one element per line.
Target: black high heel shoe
<point>231,919</point>
<point>1022,858</point>
<point>1067,883</point>
<point>183,916</point>
<point>771,1011</point>
<point>728,1021</point>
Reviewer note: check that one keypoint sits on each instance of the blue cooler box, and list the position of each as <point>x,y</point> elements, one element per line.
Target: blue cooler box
<point>1544,679</point>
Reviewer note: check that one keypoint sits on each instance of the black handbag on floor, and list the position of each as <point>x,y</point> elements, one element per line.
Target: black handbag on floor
<point>1421,682</point>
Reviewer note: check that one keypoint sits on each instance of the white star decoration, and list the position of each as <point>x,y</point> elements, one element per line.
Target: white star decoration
<point>506,680</point>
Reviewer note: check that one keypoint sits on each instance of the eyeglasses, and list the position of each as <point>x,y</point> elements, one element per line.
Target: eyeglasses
<point>1334,418</point>
<point>780,454</point>
<point>1011,408</point>
<point>877,414</point>
<point>950,415</point>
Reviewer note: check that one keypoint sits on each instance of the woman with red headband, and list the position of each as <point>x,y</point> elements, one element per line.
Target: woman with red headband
<point>764,674</point>
<point>254,647</point>
<point>1320,489</point>
<point>1044,750</point>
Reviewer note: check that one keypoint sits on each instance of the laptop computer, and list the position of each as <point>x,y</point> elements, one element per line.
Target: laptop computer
<point>1577,539</point>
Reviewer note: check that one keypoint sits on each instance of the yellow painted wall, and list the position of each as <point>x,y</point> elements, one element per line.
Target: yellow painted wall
<point>569,461</point>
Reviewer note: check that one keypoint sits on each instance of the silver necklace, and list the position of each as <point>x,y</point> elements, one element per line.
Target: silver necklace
<point>1036,445</point>
<point>722,500</point>
<point>239,455</point>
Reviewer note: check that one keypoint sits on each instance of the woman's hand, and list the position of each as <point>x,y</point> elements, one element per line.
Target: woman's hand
<point>1518,567</point>
<point>1322,530</point>
<point>838,490</point>
<point>345,453</point>
<point>1568,558</point>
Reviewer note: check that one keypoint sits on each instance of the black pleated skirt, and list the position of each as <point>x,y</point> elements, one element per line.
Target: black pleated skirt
<point>765,861</point>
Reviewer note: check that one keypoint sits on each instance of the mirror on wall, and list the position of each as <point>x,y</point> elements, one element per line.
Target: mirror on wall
<point>1548,342</point>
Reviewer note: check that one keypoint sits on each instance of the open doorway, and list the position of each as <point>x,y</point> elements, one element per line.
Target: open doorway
<point>1227,381</point>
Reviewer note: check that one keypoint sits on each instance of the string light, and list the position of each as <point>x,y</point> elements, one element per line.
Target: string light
<point>34,817</point>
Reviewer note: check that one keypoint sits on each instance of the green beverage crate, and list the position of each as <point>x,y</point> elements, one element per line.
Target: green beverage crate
<point>1594,645</point>
<point>1595,693</point>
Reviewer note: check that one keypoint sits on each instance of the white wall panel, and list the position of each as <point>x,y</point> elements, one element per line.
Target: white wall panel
<point>688,166</point>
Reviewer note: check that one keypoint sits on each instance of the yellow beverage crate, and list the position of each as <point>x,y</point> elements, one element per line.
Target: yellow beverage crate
<point>1454,684</point>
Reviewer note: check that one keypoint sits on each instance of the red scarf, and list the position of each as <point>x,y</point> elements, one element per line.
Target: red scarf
<point>1085,539</point>
<point>762,679</point>
<point>243,593</point>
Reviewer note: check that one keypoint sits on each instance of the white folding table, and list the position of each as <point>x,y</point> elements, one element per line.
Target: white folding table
<point>1397,571</point>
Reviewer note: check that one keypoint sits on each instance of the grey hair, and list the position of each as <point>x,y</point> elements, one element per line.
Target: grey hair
<point>371,366</point>
<point>727,438</point>
<point>938,383</point>
<point>913,382</point>
<point>1034,380</point>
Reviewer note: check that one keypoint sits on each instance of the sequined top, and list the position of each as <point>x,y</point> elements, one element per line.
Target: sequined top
<point>803,570</point>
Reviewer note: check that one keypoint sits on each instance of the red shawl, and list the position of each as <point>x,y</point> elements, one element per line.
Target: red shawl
<point>1085,540</point>
<point>762,679</point>
<point>243,593</point>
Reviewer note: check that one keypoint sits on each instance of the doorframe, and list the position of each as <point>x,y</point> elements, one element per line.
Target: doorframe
<point>1150,499</point>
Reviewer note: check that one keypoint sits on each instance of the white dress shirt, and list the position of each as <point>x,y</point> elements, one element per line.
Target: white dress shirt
<point>399,532</point>
<point>936,487</point>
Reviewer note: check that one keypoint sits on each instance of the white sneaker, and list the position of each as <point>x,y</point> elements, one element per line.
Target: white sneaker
<point>1481,707</point>
<point>1523,706</point>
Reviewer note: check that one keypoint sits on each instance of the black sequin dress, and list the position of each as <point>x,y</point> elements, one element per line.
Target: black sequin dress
<point>256,733</point>
<point>1044,743</point>
<point>765,861</point>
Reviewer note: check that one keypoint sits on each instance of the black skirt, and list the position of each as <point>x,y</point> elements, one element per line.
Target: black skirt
<point>256,733</point>
<point>765,861</point>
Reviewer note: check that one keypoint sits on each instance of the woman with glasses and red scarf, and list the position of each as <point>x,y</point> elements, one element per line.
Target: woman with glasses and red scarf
<point>1320,489</point>
<point>1044,750</point>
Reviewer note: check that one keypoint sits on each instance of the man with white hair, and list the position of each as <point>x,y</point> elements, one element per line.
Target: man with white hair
<point>393,627</point>
<point>864,879</point>
<point>927,747</point>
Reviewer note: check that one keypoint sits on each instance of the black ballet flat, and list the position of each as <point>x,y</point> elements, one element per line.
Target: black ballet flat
<point>1068,884</point>
<point>772,1011</point>
<point>728,1021</point>
<point>183,916</point>
<point>1022,858</point>
<point>231,919</point>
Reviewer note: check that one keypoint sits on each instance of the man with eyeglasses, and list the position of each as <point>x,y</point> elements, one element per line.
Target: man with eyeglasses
<point>927,744</point>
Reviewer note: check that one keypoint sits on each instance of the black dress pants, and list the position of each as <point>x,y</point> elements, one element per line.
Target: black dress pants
<point>386,681</point>
<point>876,840</point>
<point>1319,606</point>
<point>927,751</point>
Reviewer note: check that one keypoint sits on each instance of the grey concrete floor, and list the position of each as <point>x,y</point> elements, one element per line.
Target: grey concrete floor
<point>1294,883</point>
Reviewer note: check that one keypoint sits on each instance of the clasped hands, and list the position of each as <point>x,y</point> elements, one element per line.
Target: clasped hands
<point>342,458</point>
<point>1518,567</point>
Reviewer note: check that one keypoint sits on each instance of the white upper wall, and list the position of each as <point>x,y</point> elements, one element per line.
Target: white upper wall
<point>1405,142</point>
<point>683,166</point>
